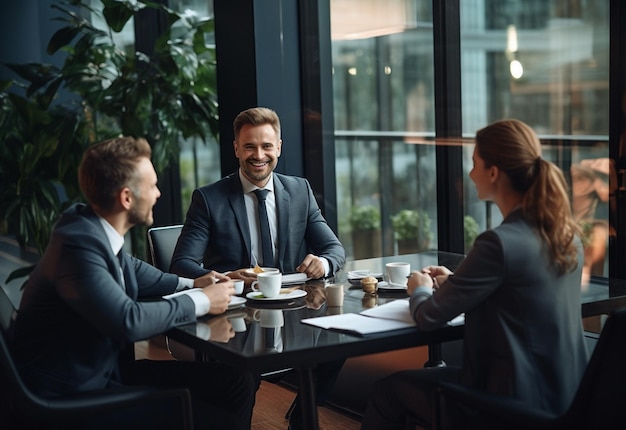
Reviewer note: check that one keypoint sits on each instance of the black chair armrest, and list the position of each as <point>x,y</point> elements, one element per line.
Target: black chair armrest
<point>89,403</point>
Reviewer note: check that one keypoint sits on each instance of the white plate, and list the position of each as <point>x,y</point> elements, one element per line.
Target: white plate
<point>295,294</point>
<point>236,302</point>
<point>265,269</point>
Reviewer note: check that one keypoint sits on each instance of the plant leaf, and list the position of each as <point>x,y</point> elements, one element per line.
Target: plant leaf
<point>62,38</point>
<point>117,13</point>
<point>19,273</point>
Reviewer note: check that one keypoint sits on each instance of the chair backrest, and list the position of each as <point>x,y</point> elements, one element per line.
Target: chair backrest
<point>22,408</point>
<point>161,242</point>
<point>599,401</point>
<point>9,372</point>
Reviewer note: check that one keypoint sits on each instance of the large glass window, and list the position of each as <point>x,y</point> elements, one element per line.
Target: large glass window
<point>544,62</point>
<point>382,54</point>
<point>547,64</point>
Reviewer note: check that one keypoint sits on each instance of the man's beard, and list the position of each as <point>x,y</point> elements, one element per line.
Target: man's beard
<point>135,216</point>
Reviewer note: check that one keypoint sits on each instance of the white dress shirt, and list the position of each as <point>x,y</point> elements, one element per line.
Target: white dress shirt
<point>252,212</point>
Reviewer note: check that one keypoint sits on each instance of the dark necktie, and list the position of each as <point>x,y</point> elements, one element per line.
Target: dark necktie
<point>264,225</point>
<point>120,256</point>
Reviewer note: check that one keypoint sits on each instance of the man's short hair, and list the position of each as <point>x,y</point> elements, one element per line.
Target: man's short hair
<point>256,116</point>
<point>109,166</point>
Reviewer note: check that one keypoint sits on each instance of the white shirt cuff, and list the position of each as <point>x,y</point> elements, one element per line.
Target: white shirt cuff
<point>200,300</point>
<point>184,283</point>
<point>326,266</point>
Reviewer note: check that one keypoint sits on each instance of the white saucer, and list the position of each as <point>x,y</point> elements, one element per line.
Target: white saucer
<point>396,286</point>
<point>360,274</point>
<point>265,269</point>
<point>295,294</point>
<point>236,302</point>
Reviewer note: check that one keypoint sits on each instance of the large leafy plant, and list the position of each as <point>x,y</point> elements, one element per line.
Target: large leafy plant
<point>41,149</point>
<point>165,95</point>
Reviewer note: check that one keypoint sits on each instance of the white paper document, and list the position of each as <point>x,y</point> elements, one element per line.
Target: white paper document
<point>390,316</point>
<point>294,278</point>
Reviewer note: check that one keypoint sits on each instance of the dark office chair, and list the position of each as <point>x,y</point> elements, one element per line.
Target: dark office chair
<point>598,403</point>
<point>161,242</point>
<point>21,408</point>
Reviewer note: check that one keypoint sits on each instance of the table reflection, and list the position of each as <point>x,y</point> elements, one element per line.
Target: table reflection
<point>265,327</point>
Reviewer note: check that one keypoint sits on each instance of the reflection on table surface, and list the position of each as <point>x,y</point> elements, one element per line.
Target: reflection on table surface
<point>267,331</point>
<point>261,329</point>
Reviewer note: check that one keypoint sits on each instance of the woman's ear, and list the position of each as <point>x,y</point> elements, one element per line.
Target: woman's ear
<point>494,173</point>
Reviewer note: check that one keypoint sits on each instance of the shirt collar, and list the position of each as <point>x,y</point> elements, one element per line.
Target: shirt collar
<point>116,240</point>
<point>249,187</point>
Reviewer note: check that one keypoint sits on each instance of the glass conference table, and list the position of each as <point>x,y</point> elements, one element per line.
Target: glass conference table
<point>269,336</point>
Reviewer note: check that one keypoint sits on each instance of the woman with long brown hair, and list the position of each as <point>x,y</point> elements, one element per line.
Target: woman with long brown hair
<point>519,288</point>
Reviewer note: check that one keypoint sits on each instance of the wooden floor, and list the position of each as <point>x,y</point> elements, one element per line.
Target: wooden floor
<point>272,400</point>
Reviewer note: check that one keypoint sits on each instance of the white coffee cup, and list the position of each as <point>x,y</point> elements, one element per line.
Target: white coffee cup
<point>269,318</point>
<point>269,284</point>
<point>397,272</point>
<point>238,286</point>
<point>334,294</point>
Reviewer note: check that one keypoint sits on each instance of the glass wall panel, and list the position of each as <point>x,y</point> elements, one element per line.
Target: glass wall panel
<point>547,64</point>
<point>382,54</point>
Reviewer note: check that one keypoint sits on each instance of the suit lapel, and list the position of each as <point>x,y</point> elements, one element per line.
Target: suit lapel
<point>235,198</point>
<point>282,214</point>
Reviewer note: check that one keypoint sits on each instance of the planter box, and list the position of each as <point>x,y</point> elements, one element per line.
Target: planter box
<point>366,244</point>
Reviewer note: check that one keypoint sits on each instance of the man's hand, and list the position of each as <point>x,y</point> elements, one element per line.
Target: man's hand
<point>219,294</point>
<point>246,274</point>
<point>312,266</point>
<point>209,279</point>
<point>221,329</point>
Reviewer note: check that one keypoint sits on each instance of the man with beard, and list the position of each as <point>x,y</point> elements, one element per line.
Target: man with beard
<point>83,303</point>
<point>223,231</point>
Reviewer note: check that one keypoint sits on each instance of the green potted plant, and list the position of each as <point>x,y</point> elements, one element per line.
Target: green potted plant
<point>470,231</point>
<point>165,95</point>
<point>411,230</point>
<point>366,235</point>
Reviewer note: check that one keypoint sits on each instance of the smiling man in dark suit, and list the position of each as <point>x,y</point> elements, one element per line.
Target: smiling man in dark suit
<point>222,231</point>
<point>83,302</point>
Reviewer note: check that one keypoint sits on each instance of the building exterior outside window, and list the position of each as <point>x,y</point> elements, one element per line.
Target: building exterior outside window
<point>545,63</point>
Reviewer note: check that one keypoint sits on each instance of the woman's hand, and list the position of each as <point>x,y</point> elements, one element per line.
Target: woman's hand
<point>439,274</point>
<point>418,279</point>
